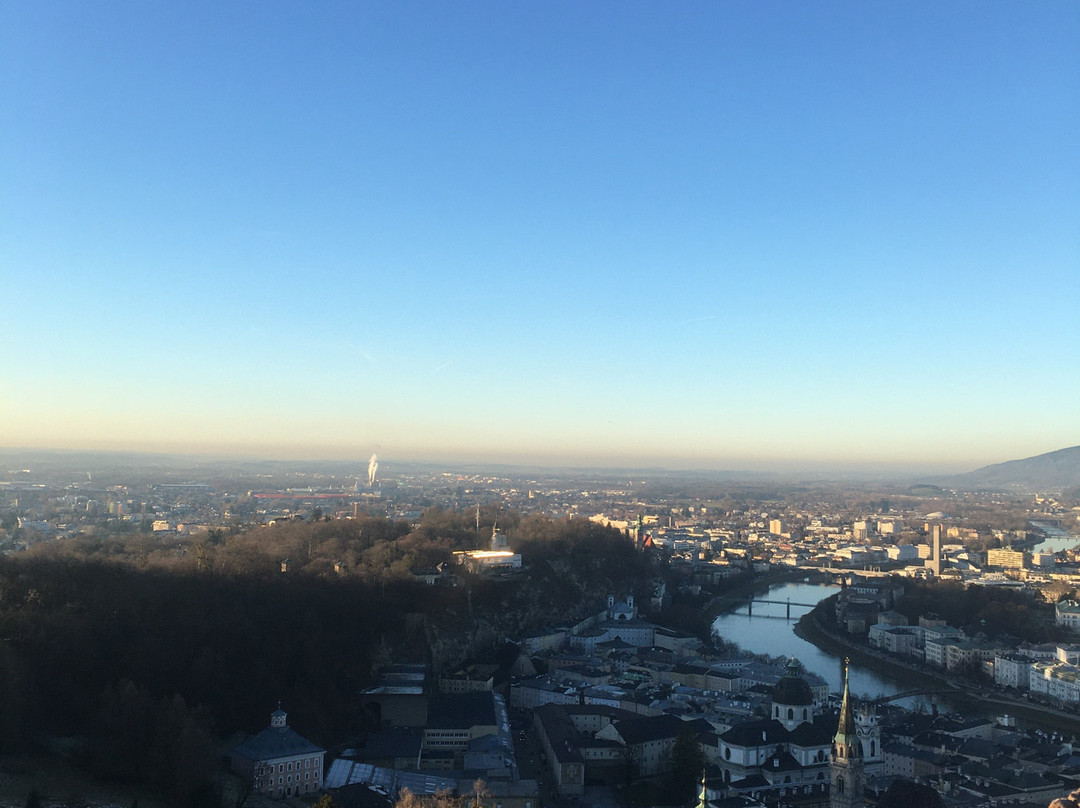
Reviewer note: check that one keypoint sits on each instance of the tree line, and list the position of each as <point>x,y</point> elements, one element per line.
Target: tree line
<point>995,612</point>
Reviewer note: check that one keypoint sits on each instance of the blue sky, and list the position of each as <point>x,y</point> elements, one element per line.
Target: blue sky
<point>716,234</point>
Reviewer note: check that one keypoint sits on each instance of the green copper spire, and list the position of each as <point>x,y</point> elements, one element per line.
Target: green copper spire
<point>846,728</point>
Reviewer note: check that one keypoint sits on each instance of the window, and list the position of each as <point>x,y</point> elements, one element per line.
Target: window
<point>839,785</point>
<point>872,749</point>
<point>790,713</point>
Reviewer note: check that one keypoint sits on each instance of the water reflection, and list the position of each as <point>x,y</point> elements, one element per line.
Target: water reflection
<point>766,631</point>
<point>1056,539</point>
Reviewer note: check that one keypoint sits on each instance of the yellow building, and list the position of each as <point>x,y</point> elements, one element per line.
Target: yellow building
<point>1009,559</point>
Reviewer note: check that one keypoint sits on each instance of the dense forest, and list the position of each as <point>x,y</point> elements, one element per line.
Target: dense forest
<point>147,652</point>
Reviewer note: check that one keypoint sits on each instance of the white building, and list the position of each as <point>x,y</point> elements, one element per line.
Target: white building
<point>937,639</point>
<point>968,653</point>
<point>1058,680</point>
<point>1012,670</point>
<point>902,552</point>
<point>790,748</point>
<point>901,640</point>
<point>937,650</point>
<point>1067,613</point>
<point>279,762</point>
<point>1043,559</point>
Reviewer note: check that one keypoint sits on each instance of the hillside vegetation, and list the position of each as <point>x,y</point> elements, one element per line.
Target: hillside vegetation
<point>149,651</point>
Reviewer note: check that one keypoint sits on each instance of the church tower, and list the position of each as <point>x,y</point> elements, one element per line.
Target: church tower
<point>868,728</point>
<point>846,765</point>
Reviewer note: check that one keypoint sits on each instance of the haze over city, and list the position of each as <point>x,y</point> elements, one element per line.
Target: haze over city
<point>697,235</point>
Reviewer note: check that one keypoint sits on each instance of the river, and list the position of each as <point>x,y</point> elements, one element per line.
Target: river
<point>766,631</point>
<point>1057,539</point>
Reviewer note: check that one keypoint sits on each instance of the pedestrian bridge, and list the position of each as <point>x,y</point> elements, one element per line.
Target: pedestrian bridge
<point>786,603</point>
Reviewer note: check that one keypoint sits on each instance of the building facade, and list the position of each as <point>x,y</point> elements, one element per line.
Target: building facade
<point>1067,613</point>
<point>789,749</point>
<point>279,762</point>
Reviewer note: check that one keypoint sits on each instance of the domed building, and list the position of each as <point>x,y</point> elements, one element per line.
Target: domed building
<point>786,753</point>
<point>793,701</point>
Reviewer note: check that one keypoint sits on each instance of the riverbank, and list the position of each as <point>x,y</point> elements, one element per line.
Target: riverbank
<point>965,697</point>
<point>810,629</point>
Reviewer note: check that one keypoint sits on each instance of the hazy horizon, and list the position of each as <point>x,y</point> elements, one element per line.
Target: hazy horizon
<point>710,235</point>
<point>360,457</point>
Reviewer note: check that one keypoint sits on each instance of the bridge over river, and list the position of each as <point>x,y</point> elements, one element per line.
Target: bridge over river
<point>931,691</point>
<point>786,603</point>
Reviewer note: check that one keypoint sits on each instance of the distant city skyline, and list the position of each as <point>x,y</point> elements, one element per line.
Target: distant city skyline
<point>713,235</point>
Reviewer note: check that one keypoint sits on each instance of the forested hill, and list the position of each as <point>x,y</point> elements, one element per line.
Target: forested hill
<point>212,635</point>
<point>1053,471</point>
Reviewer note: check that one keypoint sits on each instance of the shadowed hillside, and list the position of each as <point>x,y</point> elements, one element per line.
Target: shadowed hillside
<point>1053,471</point>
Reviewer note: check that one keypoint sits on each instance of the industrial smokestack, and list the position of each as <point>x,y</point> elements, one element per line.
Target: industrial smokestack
<point>372,467</point>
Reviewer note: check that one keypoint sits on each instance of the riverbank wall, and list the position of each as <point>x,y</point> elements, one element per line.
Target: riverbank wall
<point>967,702</point>
<point>809,628</point>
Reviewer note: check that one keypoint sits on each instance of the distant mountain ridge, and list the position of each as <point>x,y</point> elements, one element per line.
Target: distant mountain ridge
<point>1051,471</point>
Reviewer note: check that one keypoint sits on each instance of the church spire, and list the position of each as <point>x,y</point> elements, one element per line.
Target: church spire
<point>846,765</point>
<point>703,801</point>
<point>847,716</point>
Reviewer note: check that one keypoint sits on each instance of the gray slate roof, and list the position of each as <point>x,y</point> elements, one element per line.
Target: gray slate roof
<point>820,732</point>
<point>761,732</point>
<point>461,710</point>
<point>649,728</point>
<point>276,742</point>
